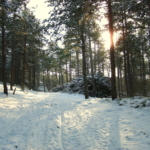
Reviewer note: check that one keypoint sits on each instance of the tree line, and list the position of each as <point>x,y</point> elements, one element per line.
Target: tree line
<point>24,58</point>
<point>129,58</point>
<point>21,45</point>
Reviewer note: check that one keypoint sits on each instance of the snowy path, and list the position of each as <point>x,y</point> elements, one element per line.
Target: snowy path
<point>97,124</point>
<point>56,121</point>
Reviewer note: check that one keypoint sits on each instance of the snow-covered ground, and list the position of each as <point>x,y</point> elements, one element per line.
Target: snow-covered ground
<point>58,121</point>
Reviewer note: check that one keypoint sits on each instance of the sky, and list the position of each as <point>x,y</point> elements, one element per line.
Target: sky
<point>40,9</point>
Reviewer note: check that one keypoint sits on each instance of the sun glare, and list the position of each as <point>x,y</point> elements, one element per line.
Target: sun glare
<point>41,11</point>
<point>106,37</point>
<point>39,8</point>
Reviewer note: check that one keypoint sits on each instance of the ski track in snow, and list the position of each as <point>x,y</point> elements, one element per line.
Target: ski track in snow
<point>58,121</point>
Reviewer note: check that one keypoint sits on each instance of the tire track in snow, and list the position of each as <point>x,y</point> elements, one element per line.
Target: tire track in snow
<point>80,124</point>
<point>61,126</point>
<point>101,132</point>
<point>49,128</point>
<point>38,139</point>
<point>82,134</point>
<point>63,134</point>
<point>95,143</point>
<point>15,120</point>
<point>78,117</point>
<point>23,127</point>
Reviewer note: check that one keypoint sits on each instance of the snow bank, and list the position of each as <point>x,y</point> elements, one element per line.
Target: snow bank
<point>135,102</point>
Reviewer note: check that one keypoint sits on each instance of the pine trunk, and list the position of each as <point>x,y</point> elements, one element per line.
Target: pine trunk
<point>112,52</point>
<point>12,64</point>
<point>144,76</point>
<point>66,72</point>
<point>84,64</point>
<point>24,62</point>
<point>3,49</point>
<point>29,82</point>
<point>12,59</point>
<point>77,56</point>
<point>94,63</point>
<point>70,70</point>
<point>91,63</point>
<point>124,56</point>
<point>34,78</point>
<point>44,81</point>
<point>129,75</point>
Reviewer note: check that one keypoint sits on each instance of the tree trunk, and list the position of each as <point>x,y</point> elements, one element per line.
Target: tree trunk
<point>48,80</point>
<point>3,49</point>
<point>29,83</point>
<point>70,70</point>
<point>66,72</point>
<point>91,63</point>
<point>12,59</point>
<point>77,57</point>
<point>112,52</point>
<point>124,56</point>
<point>24,62</point>
<point>144,75</point>
<point>34,78</point>
<point>61,76</point>
<point>94,63</point>
<point>121,82</point>
<point>118,71</point>
<point>149,67</point>
<point>12,64</point>
<point>129,75</point>
<point>44,81</point>
<point>84,64</point>
<point>56,73</point>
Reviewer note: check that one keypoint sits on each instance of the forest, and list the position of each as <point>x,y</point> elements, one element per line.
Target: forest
<point>70,43</point>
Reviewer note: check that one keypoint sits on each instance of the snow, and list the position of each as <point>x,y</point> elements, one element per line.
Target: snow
<point>60,121</point>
